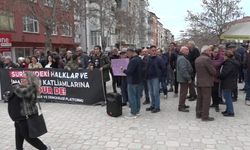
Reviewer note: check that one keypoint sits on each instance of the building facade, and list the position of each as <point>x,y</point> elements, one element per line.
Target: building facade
<point>27,33</point>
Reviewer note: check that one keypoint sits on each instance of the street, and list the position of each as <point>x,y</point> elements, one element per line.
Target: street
<point>79,127</point>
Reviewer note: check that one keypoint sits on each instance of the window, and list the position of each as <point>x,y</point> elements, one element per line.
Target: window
<point>49,3</point>
<point>6,21</point>
<point>65,4</point>
<point>95,37</point>
<point>23,52</point>
<point>66,30</point>
<point>30,24</point>
<point>54,30</point>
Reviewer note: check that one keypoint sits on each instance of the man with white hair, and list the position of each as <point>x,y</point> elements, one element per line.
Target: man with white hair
<point>84,58</point>
<point>8,63</point>
<point>184,72</point>
<point>205,72</point>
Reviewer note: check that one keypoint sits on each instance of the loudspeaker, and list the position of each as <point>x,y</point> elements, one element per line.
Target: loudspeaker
<point>114,104</point>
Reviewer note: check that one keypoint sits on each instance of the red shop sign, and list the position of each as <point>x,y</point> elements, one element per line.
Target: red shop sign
<point>5,41</point>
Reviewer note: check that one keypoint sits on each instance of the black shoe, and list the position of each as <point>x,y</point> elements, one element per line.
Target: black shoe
<point>222,103</point>
<point>146,102</point>
<point>155,110</point>
<point>224,112</point>
<point>170,90</point>
<point>208,119</point>
<point>183,110</point>
<point>186,106</point>
<point>188,97</point>
<point>243,89</point>
<point>150,108</point>
<point>124,104</point>
<point>198,116</point>
<point>228,114</point>
<point>212,105</point>
<point>217,109</point>
<point>235,100</point>
<point>192,99</point>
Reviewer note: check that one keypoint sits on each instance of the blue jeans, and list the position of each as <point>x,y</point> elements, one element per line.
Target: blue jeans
<point>229,101</point>
<point>154,91</point>
<point>124,90</point>
<point>134,95</point>
<point>247,85</point>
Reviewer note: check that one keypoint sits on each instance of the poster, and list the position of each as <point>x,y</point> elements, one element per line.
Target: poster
<point>117,64</point>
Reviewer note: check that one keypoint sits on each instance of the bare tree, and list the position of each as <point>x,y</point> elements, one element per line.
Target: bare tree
<point>103,15</point>
<point>216,13</point>
<point>52,15</point>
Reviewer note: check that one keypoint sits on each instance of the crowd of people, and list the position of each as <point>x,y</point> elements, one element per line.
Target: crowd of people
<point>210,73</point>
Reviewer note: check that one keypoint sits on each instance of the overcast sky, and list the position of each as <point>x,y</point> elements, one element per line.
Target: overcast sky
<point>172,13</point>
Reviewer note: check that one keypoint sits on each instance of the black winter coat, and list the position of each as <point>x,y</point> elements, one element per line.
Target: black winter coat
<point>14,107</point>
<point>229,74</point>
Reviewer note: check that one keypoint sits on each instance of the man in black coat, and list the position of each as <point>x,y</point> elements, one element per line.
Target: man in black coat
<point>193,54</point>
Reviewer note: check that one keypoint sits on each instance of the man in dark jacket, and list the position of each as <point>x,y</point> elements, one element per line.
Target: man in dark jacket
<point>184,72</point>
<point>154,73</point>
<point>144,56</point>
<point>134,80</point>
<point>217,59</point>
<point>205,72</point>
<point>102,62</point>
<point>193,54</point>
<point>247,65</point>
<point>116,80</point>
<point>84,58</point>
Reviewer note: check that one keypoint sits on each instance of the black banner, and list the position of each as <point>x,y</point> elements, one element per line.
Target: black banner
<point>58,85</point>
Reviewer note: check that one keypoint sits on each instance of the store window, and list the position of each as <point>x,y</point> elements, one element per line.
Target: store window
<point>23,52</point>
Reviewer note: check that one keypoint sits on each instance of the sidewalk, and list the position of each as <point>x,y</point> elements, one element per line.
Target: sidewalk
<point>79,127</point>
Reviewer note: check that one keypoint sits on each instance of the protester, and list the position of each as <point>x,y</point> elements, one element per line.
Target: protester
<point>247,65</point>
<point>27,62</point>
<point>217,59</point>
<point>51,62</point>
<point>134,81</point>
<point>116,80</point>
<point>164,77</point>
<point>184,77</point>
<point>21,62</point>
<point>1,61</point>
<point>145,57</point>
<point>172,54</point>
<point>101,62</point>
<point>124,89</point>
<point>237,57</point>
<point>68,56</point>
<point>205,72</point>
<point>84,58</point>
<point>8,63</point>
<point>34,63</point>
<point>41,58</point>
<point>73,63</point>
<point>154,73</point>
<point>193,54</point>
<point>22,103</point>
<point>228,76</point>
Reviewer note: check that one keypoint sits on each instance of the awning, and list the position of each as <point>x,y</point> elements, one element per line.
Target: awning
<point>240,31</point>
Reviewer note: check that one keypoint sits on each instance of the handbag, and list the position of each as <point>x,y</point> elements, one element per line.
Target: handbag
<point>36,124</point>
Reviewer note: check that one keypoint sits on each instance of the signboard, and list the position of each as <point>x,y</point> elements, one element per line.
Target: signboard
<point>117,64</point>
<point>5,42</point>
<point>59,85</point>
